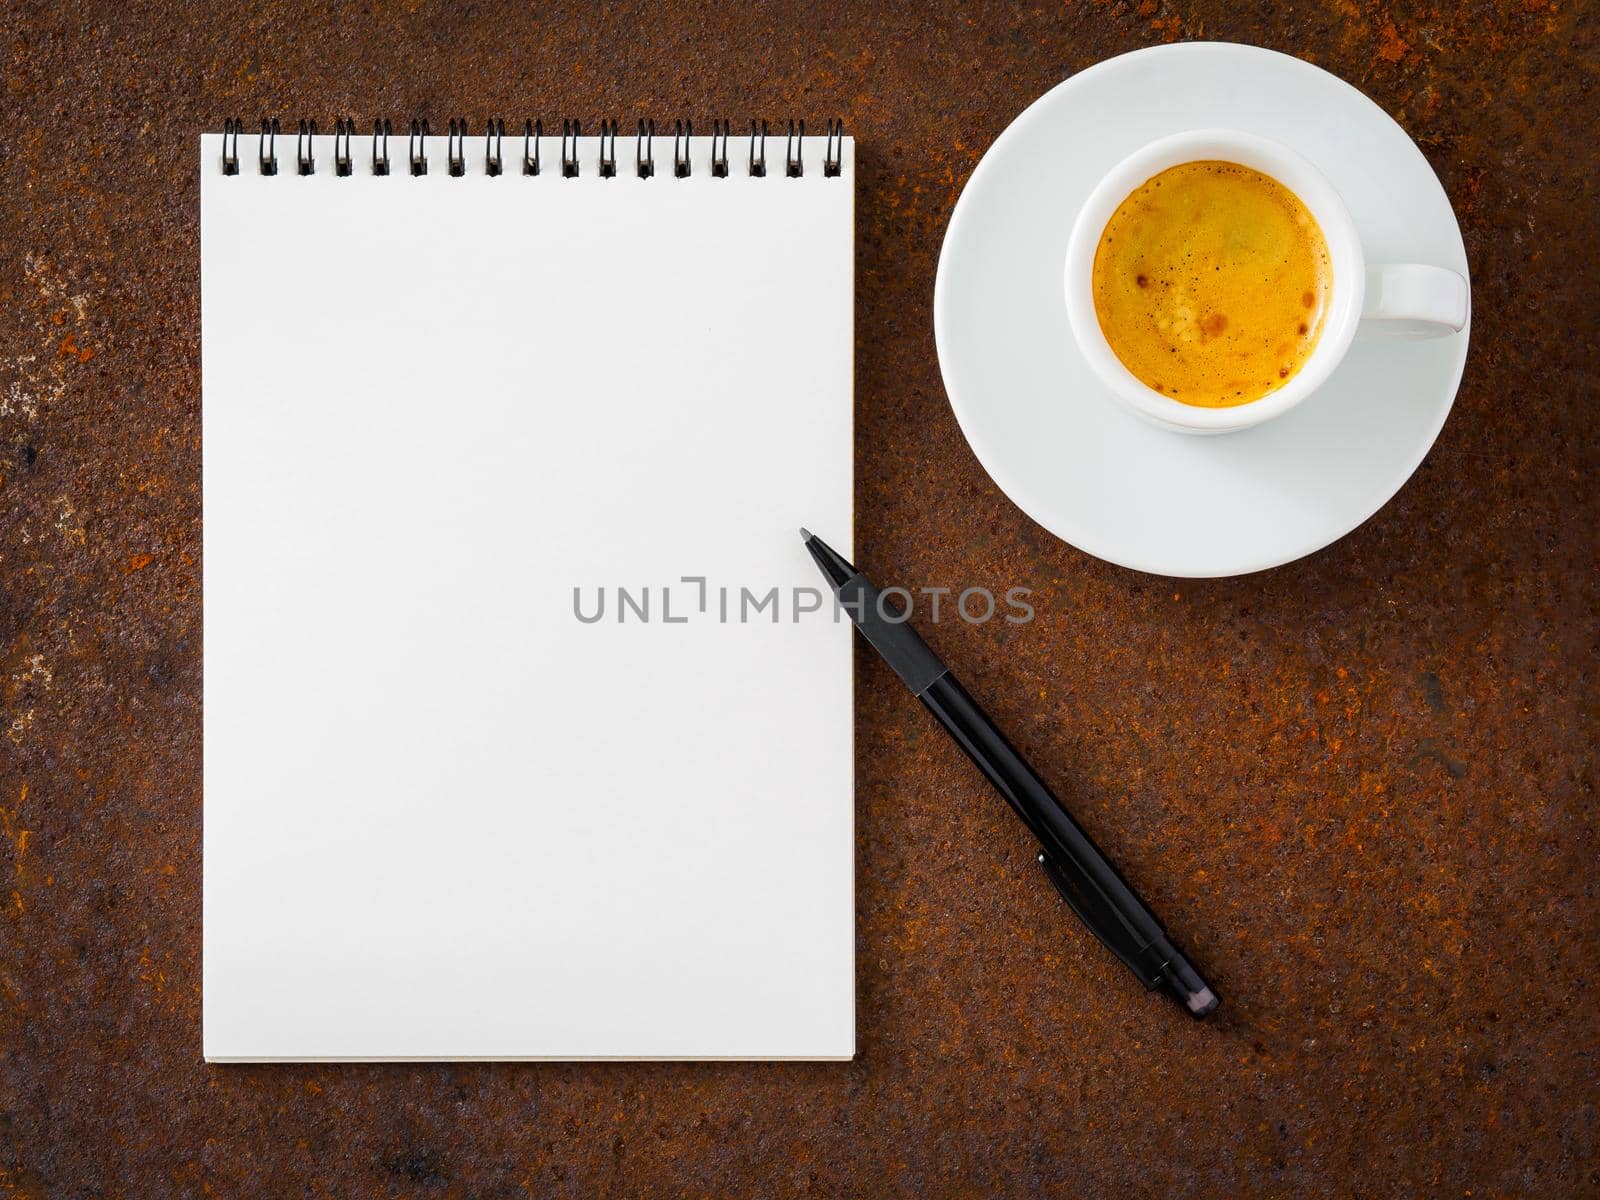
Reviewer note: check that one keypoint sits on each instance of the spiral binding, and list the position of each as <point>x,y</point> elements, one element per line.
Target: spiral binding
<point>456,151</point>
<point>793,167</point>
<point>758,160</point>
<point>230,146</point>
<point>344,130</point>
<point>719,149</point>
<point>532,134</point>
<point>457,154</point>
<point>380,146</point>
<point>268,153</point>
<point>493,143</point>
<point>833,151</point>
<point>644,154</point>
<point>569,149</point>
<point>682,131</point>
<point>305,162</point>
<point>417,147</point>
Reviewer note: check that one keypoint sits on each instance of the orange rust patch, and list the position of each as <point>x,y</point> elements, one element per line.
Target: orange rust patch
<point>71,349</point>
<point>1391,46</point>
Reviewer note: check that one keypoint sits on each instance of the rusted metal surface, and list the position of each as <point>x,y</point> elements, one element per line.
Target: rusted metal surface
<point>1365,780</point>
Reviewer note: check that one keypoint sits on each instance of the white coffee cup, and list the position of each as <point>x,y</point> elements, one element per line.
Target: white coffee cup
<point>1395,300</point>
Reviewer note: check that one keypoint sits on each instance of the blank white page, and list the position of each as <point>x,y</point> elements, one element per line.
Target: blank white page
<point>444,817</point>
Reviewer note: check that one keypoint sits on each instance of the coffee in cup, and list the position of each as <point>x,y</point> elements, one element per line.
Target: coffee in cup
<point>1211,282</point>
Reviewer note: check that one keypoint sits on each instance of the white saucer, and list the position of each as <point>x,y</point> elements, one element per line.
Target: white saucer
<point>1068,454</point>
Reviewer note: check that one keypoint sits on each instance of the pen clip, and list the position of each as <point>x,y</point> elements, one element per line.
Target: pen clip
<point>1103,921</point>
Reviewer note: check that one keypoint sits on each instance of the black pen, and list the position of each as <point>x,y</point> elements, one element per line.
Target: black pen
<point>1085,878</point>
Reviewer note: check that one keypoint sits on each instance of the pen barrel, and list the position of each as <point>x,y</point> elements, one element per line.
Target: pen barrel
<point>1033,801</point>
<point>885,628</point>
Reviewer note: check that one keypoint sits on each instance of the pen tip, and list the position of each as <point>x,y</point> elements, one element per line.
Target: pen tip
<point>805,534</point>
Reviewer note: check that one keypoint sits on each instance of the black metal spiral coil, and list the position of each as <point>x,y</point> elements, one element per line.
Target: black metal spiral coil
<point>459,161</point>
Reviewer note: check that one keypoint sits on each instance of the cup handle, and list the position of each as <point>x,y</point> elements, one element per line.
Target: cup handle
<point>1410,300</point>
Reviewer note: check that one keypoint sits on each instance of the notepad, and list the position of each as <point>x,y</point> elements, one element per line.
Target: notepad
<point>521,738</point>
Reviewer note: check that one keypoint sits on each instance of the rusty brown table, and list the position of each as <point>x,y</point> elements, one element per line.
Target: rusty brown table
<point>1371,771</point>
